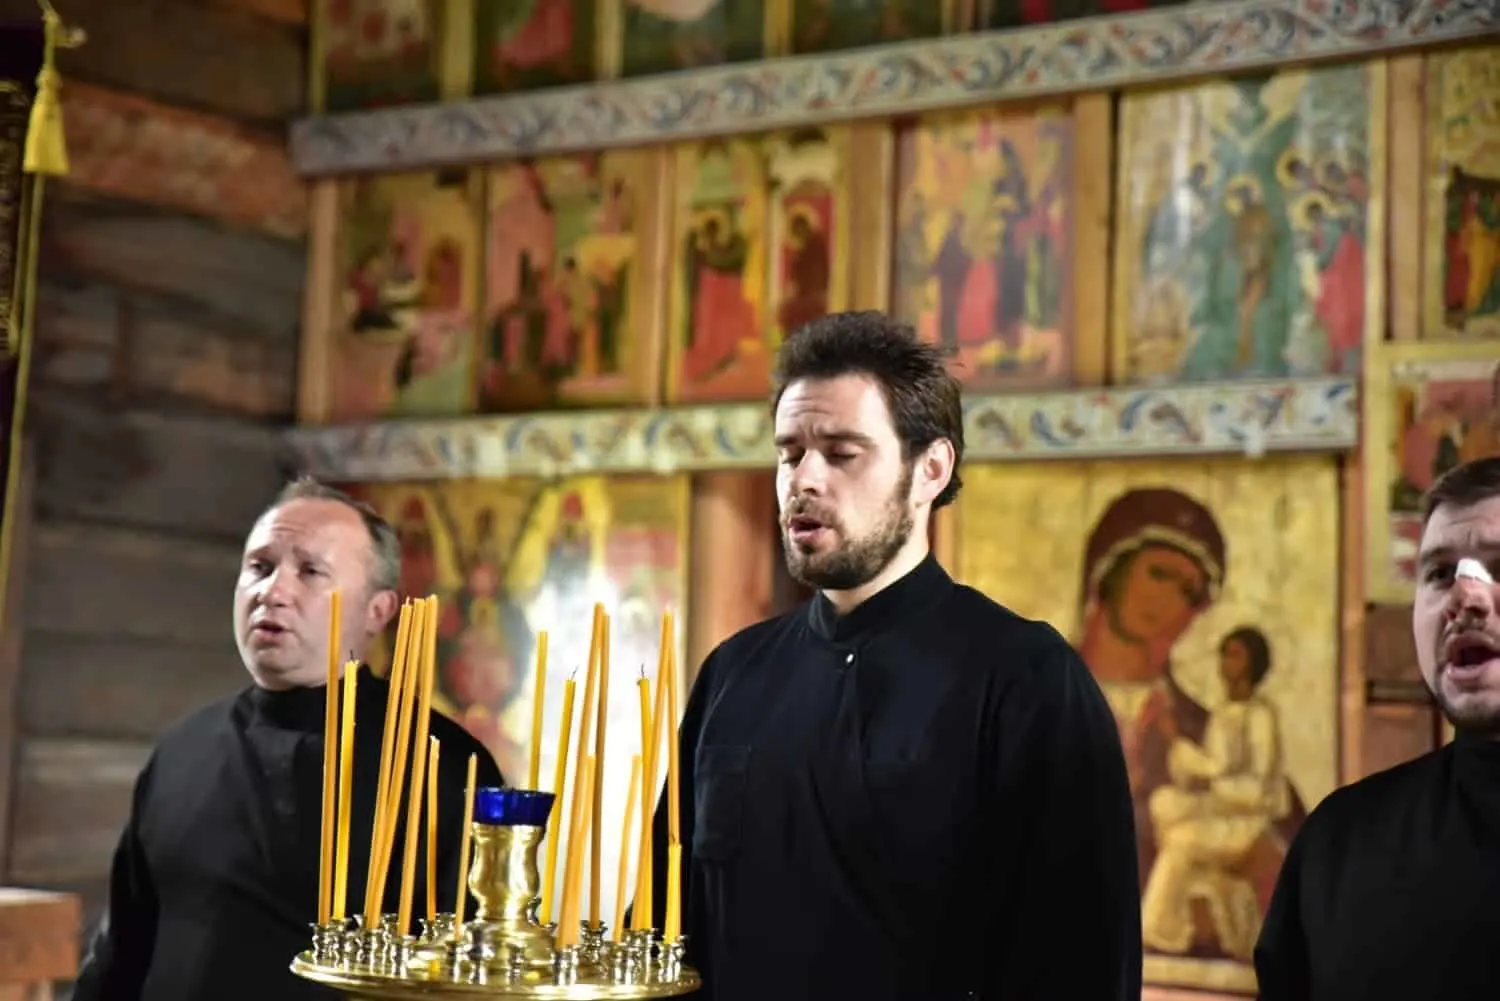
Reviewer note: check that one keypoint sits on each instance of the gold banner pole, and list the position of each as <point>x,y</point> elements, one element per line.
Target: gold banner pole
<point>45,155</point>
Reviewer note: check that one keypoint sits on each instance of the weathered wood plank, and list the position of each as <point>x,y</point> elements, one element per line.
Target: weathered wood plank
<point>293,12</point>
<point>186,53</point>
<point>208,478</point>
<point>38,936</point>
<point>250,280</point>
<point>132,689</point>
<point>1390,654</point>
<point>143,151</point>
<point>152,349</point>
<point>1394,734</point>
<point>72,797</point>
<point>105,582</point>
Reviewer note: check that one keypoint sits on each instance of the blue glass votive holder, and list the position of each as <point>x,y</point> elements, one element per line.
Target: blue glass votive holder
<point>499,806</point>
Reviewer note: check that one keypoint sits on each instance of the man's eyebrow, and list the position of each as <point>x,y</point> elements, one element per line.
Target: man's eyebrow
<point>1448,553</point>
<point>831,437</point>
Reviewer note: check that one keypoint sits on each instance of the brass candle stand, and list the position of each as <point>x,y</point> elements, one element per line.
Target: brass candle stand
<point>504,952</point>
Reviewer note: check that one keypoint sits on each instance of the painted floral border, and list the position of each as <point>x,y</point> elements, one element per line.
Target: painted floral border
<point>1249,418</point>
<point>1198,39</point>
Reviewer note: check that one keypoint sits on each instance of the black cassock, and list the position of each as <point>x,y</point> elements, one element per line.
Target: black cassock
<point>1391,889</point>
<point>214,885</point>
<point>924,799</point>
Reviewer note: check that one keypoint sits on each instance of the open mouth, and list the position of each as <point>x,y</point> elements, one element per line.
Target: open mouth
<point>267,630</point>
<point>805,528</point>
<point>1468,655</point>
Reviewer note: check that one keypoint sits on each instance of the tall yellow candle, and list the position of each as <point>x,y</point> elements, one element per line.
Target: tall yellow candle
<point>534,775</point>
<point>622,885</point>
<point>465,845</point>
<point>674,833</point>
<point>330,765</point>
<point>411,671</point>
<point>419,762</point>
<point>672,925</point>
<point>433,754</point>
<point>596,837</point>
<point>645,880</point>
<point>568,925</point>
<point>583,789</point>
<point>387,750</point>
<point>346,793</point>
<point>559,778</point>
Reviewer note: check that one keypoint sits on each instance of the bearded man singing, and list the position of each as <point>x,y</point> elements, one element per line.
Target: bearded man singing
<point>900,790</point>
<point>1389,890</point>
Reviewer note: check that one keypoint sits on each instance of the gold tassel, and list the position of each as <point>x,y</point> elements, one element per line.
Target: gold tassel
<point>46,145</point>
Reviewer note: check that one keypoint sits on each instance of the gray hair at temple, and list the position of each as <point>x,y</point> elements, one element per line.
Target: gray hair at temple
<point>385,546</point>
<point>1472,483</point>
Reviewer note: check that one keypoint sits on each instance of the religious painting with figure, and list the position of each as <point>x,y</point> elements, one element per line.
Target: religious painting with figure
<point>511,558</point>
<point>983,242</point>
<point>405,313</point>
<point>659,36</point>
<point>1432,406</point>
<point>991,14</point>
<point>1462,254</point>
<point>570,308</point>
<point>838,25</point>
<point>377,53</point>
<point>1250,226</point>
<point>530,44</point>
<point>1204,598</point>
<point>759,249</point>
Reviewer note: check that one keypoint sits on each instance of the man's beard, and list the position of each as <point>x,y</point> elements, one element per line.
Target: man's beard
<point>1473,716</point>
<point>857,561</point>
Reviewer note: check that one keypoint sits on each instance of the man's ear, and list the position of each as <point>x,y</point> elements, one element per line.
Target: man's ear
<point>379,611</point>
<point>933,472</point>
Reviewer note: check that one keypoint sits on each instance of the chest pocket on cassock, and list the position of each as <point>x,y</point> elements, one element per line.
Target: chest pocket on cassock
<point>719,794</point>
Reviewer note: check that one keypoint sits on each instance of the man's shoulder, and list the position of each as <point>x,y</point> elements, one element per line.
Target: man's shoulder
<point>201,722</point>
<point>1362,805</point>
<point>457,744</point>
<point>976,617</point>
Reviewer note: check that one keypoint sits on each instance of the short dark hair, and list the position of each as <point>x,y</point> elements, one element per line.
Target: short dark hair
<point>1464,486</point>
<point>385,545</point>
<point>925,400</point>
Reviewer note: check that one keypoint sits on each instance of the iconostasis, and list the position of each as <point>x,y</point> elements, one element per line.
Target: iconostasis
<point>1217,335</point>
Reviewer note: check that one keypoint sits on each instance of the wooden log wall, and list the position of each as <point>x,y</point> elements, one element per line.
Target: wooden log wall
<point>171,276</point>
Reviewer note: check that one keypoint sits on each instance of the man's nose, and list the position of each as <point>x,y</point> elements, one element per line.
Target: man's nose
<point>1471,598</point>
<point>276,588</point>
<point>809,476</point>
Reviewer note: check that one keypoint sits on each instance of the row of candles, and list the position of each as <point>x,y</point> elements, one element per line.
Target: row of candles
<point>409,703</point>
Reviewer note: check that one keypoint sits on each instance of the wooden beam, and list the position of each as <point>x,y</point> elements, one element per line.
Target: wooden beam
<point>314,364</point>
<point>89,580</point>
<point>1394,734</point>
<point>1390,651</point>
<point>135,689</point>
<point>250,281</point>
<point>10,644</point>
<point>733,524</point>
<point>294,12</point>
<point>38,936</point>
<point>142,151</point>
<point>135,347</point>
<point>72,798</point>
<point>187,54</point>
<point>136,469</point>
<point>1093,201</point>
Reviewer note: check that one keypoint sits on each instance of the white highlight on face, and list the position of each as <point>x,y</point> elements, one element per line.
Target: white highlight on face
<point>1474,570</point>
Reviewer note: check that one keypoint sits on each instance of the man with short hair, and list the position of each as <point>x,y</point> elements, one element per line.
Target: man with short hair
<point>900,790</point>
<point>1391,889</point>
<point>214,884</point>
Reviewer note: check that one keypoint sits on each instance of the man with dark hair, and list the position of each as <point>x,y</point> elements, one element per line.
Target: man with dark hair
<point>900,790</point>
<point>1390,888</point>
<point>214,884</point>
